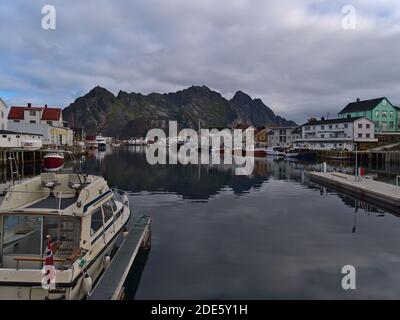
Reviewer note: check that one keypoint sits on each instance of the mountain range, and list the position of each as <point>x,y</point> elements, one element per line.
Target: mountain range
<point>133,114</point>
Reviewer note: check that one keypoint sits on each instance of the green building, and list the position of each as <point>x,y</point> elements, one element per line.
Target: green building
<point>381,111</point>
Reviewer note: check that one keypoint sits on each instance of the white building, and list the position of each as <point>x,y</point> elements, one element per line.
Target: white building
<point>44,121</point>
<point>336,134</point>
<point>282,136</point>
<point>11,139</point>
<point>3,115</point>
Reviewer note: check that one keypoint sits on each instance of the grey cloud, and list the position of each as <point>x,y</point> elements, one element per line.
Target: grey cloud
<point>292,54</point>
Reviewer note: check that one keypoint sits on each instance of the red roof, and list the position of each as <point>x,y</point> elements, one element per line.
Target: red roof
<point>51,114</point>
<point>17,113</point>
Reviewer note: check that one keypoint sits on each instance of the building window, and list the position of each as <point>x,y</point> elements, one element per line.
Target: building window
<point>307,128</point>
<point>32,113</point>
<point>4,136</point>
<point>17,136</point>
<point>2,114</point>
<point>391,124</point>
<point>330,126</point>
<point>391,114</point>
<point>384,114</point>
<point>377,113</point>
<point>367,125</point>
<point>346,125</point>
<point>322,127</point>
<point>384,102</point>
<point>360,126</point>
<point>32,121</point>
<point>49,123</point>
<point>322,136</point>
<point>16,120</point>
<point>377,124</point>
<point>368,135</point>
<point>360,135</point>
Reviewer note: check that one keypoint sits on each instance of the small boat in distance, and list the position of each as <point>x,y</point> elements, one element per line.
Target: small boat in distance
<point>301,154</point>
<point>275,151</point>
<point>101,143</point>
<point>53,161</point>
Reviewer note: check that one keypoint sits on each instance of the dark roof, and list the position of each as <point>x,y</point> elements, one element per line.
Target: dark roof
<point>330,121</point>
<point>297,130</point>
<point>259,130</point>
<point>241,126</point>
<point>14,132</point>
<point>364,105</point>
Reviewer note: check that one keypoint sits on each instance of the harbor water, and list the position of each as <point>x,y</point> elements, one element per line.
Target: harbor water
<point>271,235</point>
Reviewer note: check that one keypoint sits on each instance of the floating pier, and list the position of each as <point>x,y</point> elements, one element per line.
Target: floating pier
<point>382,194</point>
<point>110,284</point>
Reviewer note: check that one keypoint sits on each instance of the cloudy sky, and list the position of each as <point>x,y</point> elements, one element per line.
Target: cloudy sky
<point>293,54</point>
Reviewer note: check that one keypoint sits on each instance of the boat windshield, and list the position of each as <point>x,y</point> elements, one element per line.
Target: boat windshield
<point>26,235</point>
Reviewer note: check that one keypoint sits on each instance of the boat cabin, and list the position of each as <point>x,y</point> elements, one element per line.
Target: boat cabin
<point>70,208</point>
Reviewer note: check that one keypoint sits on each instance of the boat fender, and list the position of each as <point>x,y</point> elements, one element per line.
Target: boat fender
<point>87,284</point>
<point>125,199</point>
<point>125,233</point>
<point>107,261</point>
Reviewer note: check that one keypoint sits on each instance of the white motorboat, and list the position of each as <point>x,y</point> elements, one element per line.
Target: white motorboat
<point>101,143</point>
<point>57,232</point>
<point>275,151</point>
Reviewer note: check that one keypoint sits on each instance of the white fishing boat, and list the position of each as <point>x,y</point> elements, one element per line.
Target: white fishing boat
<point>275,151</point>
<point>57,232</point>
<point>101,142</point>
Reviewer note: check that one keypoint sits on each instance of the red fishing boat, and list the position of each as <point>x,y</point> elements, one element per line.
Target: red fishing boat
<point>53,161</point>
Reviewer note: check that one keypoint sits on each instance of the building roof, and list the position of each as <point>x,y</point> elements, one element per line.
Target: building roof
<point>2,102</point>
<point>297,130</point>
<point>332,121</point>
<point>17,113</point>
<point>259,130</point>
<point>51,114</point>
<point>242,126</point>
<point>364,105</point>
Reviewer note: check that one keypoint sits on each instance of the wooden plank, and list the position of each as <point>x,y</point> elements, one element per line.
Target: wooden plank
<point>111,283</point>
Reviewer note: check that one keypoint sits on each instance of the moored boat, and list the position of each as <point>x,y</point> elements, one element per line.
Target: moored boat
<point>101,143</point>
<point>53,161</point>
<point>275,151</point>
<point>255,152</point>
<point>57,233</point>
<point>301,153</point>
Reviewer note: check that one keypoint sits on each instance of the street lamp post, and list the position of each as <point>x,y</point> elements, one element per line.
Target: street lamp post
<point>356,167</point>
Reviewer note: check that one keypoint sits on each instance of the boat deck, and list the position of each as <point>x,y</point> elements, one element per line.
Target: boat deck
<point>53,203</point>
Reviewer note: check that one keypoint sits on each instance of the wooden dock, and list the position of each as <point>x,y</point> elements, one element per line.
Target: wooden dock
<point>110,284</point>
<point>382,194</point>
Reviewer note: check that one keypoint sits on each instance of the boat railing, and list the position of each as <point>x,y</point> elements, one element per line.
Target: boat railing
<point>57,259</point>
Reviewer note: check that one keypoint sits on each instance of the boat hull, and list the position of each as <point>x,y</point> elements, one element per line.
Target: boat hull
<point>53,162</point>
